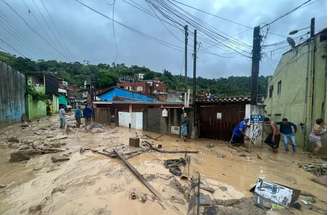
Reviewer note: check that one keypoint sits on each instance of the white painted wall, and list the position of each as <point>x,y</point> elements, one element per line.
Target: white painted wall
<point>133,118</point>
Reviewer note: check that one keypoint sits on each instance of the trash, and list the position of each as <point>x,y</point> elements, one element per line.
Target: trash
<point>133,195</point>
<point>267,193</point>
<point>174,165</point>
<point>317,169</point>
<point>134,142</point>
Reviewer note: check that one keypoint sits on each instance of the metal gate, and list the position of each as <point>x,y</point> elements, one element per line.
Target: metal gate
<point>152,120</point>
<point>217,120</point>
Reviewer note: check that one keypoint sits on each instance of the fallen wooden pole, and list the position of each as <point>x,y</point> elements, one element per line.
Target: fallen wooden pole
<point>165,151</point>
<point>140,177</point>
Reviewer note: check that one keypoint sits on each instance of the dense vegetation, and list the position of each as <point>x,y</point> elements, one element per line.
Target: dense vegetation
<point>104,75</point>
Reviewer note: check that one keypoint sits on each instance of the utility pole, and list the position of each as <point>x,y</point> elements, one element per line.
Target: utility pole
<point>186,53</point>
<point>194,67</point>
<point>256,56</point>
<point>194,86</point>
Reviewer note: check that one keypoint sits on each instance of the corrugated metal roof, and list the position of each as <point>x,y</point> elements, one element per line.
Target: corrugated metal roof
<point>120,94</point>
<point>235,99</point>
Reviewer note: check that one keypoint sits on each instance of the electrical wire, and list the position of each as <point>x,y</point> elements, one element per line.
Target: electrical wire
<point>56,31</point>
<point>214,15</point>
<point>12,47</point>
<point>32,29</point>
<point>50,31</point>
<point>162,42</point>
<point>167,8</point>
<point>114,33</point>
<point>287,13</point>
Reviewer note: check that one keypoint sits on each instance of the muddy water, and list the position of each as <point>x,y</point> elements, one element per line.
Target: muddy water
<point>93,184</point>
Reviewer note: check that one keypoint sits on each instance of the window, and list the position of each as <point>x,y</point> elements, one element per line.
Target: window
<point>279,88</point>
<point>270,91</point>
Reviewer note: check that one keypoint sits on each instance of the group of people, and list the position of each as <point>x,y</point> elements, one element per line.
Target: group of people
<point>286,129</point>
<point>78,114</point>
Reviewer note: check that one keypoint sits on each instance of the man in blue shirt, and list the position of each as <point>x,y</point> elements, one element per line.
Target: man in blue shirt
<point>238,133</point>
<point>87,114</point>
<point>288,130</point>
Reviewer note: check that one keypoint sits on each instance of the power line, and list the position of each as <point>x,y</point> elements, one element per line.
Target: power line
<point>162,42</point>
<point>286,14</point>
<point>55,28</point>
<point>55,39</point>
<point>165,8</point>
<point>31,28</point>
<point>214,15</point>
<point>12,47</point>
<point>114,34</point>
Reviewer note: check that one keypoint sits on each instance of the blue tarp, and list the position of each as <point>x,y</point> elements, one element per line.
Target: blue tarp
<point>126,95</point>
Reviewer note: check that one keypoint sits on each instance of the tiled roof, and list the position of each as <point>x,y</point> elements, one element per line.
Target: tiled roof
<point>235,99</point>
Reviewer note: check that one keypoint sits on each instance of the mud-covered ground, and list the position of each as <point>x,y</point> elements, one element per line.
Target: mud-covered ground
<point>90,183</point>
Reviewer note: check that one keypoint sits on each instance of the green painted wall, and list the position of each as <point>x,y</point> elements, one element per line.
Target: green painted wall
<point>295,73</point>
<point>54,104</point>
<point>36,108</point>
<point>62,100</point>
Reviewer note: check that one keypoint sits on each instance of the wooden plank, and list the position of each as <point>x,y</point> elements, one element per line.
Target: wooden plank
<point>165,151</point>
<point>139,176</point>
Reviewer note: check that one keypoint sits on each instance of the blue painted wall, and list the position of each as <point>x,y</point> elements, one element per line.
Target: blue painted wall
<point>12,95</point>
<point>126,95</point>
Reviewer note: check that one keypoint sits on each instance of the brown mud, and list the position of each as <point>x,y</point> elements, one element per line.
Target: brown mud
<point>90,183</point>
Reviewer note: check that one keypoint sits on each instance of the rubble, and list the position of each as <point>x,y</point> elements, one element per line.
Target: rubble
<point>13,140</point>
<point>59,158</point>
<point>317,169</point>
<point>174,165</point>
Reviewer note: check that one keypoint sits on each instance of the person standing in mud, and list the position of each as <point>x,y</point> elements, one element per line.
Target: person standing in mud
<point>315,137</point>
<point>184,126</point>
<point>273,134</point>
<point>62,116</point>
<point>238,133</point>
<point>78,115</point>
<point>87,114</point>
<point>288,130</point>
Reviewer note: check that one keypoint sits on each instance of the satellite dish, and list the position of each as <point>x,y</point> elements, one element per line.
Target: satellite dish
<point>291,42</point>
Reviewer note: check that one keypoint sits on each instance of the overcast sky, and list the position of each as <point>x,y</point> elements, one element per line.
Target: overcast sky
<point>69,29</point>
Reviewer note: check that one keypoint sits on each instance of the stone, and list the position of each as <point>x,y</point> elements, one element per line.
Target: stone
<point>59,158</point>
<point>19,156</point>
<point>35,208</point>
<point>2,186</point>
<point>223,188</point>
<point>58,189</point>
<point>13,140</point>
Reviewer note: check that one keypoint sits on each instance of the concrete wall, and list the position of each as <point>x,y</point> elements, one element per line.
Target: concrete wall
<point>36,108</point>
<point>12,91</point>
<point>295,74</point>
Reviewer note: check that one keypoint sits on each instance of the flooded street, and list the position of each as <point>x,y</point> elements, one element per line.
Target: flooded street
<point>90,183</point>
